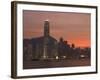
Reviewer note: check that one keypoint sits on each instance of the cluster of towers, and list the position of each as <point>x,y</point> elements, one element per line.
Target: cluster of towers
<point>47,47</point>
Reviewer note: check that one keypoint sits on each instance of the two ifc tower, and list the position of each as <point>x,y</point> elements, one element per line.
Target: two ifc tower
<point>47,41</point>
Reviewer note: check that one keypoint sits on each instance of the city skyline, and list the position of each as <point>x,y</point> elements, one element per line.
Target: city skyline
<point>73,27</point>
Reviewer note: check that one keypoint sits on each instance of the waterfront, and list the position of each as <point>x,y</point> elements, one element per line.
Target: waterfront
<point>56,63</point>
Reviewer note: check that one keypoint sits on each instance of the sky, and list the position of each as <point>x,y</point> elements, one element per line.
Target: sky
<point>72,27</point>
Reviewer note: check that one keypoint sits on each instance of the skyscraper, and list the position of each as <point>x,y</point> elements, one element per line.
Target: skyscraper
<point>46,39</point>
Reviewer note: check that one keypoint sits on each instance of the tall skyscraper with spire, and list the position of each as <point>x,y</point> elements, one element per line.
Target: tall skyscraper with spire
<point>46,39</point>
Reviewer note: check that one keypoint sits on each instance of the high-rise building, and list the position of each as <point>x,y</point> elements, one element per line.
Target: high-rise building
<point>46,39</point>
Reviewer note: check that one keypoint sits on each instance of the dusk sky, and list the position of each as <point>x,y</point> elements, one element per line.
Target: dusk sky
<point>73,27</point>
